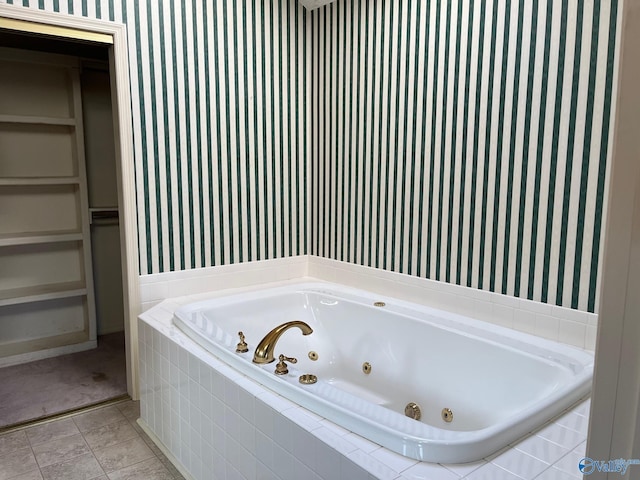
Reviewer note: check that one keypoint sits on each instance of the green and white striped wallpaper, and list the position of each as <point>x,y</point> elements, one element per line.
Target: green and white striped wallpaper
<point>465,140</point>
<point>219,97</point>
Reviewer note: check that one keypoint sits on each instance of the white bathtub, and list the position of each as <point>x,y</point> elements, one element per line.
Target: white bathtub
<point>499,384</point>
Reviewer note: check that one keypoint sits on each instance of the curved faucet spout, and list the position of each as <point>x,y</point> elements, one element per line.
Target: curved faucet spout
<point>264,350</point>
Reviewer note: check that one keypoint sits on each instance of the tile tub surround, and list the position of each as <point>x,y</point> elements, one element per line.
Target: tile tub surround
<point>560,324</point>
<point>218,424</point>
<point>103,443</point>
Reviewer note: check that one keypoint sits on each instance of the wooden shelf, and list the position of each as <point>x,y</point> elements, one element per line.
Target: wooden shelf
<point>22,181</point>
<point>31,120</point>
<point>39,293</point>
<point>33,238</point>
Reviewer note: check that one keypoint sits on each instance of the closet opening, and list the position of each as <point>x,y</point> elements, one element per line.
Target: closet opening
<point>62,307</point>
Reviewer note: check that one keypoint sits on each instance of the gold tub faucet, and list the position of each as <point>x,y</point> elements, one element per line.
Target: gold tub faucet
<point>264,350</point>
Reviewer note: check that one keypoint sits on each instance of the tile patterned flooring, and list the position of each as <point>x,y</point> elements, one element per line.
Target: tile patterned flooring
<point>104,443</point>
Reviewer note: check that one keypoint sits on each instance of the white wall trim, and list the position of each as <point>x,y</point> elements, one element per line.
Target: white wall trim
<point>614,430</point>
<point>123,133</point>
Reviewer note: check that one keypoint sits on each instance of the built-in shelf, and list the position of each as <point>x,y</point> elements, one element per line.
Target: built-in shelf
<point>47,304</point>
<point>32,238</point>
<point>32,120</point>
<point>9,181</point>
<point>36,349</point>
<point>39,293</point>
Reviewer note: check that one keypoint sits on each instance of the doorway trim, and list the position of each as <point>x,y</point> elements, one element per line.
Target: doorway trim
<point>114,36</point>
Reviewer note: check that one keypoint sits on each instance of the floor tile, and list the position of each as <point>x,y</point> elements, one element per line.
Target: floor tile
<point>16,463</point>
<point>122,455</point>
<point>130,409</point>
<point>151,469</point>
<point>11,442</point>
<point>32,475</point>
<point>51,431</point>
<point>171,467</point>
<point>98,418</point>
<point>109,435</point>
<point>84,467</point>
<point>60,450</point>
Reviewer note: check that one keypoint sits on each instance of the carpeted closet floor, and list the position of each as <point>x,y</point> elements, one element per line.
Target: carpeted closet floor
<point>55,385</point>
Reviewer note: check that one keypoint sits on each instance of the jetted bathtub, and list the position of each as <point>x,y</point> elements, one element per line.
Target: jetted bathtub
<point>477,386</point>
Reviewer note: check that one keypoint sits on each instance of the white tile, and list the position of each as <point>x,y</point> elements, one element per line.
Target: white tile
<point>264,449</point>
<point>581,449</point>
<point>484,310</point>
<point>361,443</point>
<point>491,472</point>
<point>571,314</point>
<point>328,464</point>
<point>303,418</point>
<point>264,418</point>
<point>250,386</point>
<point>520,464</point>
<point>146,306</point>
<point>337,429</point>
<point>561,436</point>
<point>583,408</point>
<point>542,449</point>
<point>575,422</point>
<point>277,402</point>
<point>502,315</point>
<point>246,405</point>
<point>569,464</point>
<point>572,333</point>
<point>428,471</point>
<point>506,300</point>
<point>333,440</point>
<point>537,307</point>
<point>150,292</point>
<point>463,469</point>
<point>553,473</point>
<point>231,395</point>
<point>395,461</point>
<point>547,326</point>
<point>246,435</point>
<point>351,470</point>
<point>284,461</point>
<point>283,432</point>
<point>247,465</point>
<point>590,337</point>
<point>304,447</point>
<point>524,321</point>
<point>372,465</point>
<point>302,471</point>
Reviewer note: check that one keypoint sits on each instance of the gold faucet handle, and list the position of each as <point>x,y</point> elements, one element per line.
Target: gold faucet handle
<point>281,367</point>
<point>242,346</point>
